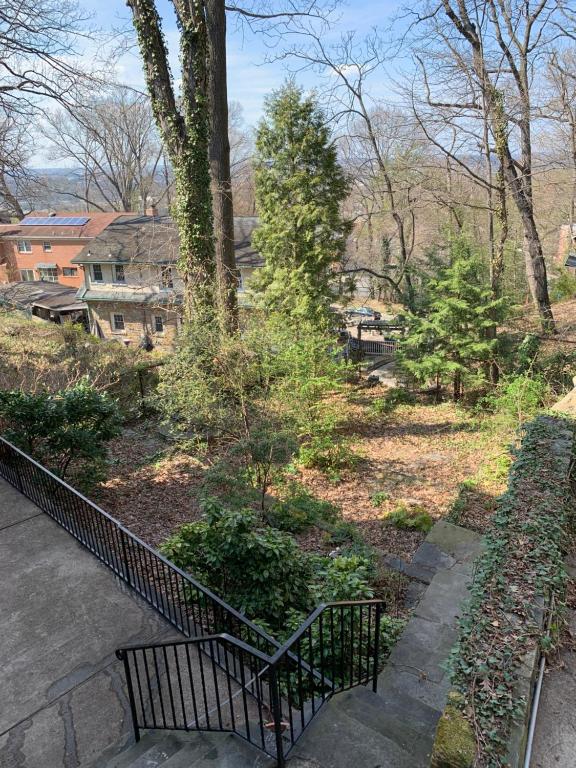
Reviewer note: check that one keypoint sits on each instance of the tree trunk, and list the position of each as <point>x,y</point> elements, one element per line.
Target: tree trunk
<point>222,203</point>
<point>185,134</point>
<point>10,198</point>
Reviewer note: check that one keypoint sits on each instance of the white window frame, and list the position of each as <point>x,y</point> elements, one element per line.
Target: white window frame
<point>47,246</point>
<point>27,279</point>
<point>24,246</point>
<point>69,268</point>
<point>113,326</point>
<point>93,276</point>
<point>162,323</point>
<point>48,274</point>
<point>116,267</point>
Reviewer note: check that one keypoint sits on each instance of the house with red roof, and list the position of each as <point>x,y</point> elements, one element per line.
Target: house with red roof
<point>41,246</point>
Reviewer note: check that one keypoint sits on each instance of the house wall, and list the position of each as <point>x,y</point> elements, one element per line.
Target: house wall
<point>145,276</point>
<point>138,321</point>
<point>61,254</point>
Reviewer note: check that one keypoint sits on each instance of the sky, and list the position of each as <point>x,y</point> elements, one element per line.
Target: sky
<point>250,76</point>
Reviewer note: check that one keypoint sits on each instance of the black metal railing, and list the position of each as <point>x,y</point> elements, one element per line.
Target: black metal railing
<point>184,602</point>
<point>230,675</point>
<point>219,683</point>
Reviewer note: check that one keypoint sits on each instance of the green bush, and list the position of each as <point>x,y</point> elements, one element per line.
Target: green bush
<point>414,518</point>
<point>258,569</point>
<point>563,287</point>
<point>66,431</point>
<point>520,397</point>
<point>344,578</point>
<point>328,453</point>
<point>299,510</point>
<point>378,498</point>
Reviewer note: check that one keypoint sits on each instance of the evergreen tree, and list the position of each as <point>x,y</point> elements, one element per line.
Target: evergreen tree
<point>451,340</point>
<point>299,190</point>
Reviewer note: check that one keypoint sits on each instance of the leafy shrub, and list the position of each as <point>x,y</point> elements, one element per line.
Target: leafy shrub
<point>563,287</point>
<point>378,498</point>
<point>527,352</point>
<point>344,578</point>
<point>392,399</point>
<point>328,453</point>
<point>258,569</point>
<point>414,518</point>
<point>520,397</point>
<point>342,532</point>
<point>66,431</point>
<point>558,369</point>
<point>299,510</point>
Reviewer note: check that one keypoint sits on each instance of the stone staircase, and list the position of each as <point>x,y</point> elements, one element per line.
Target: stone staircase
<point>394,728</point>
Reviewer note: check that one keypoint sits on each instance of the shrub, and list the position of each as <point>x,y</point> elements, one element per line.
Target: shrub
<point>563,287</point>
<point>258,569</point>
<point>379,498</point>
<point>344,578</point>
<point>66,431</point>
<point>328,453</point>
<point>413,518</point>
<point>519,397</point>
<point>299,510</point>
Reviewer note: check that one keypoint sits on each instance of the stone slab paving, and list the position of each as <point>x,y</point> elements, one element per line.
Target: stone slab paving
<point>62,615</point>
<point>395,728</point>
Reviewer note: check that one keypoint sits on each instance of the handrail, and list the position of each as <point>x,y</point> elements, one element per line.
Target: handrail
<point>184,602</point>
<point>337,647</point>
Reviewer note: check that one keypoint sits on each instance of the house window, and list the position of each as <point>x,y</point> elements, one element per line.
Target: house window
<point>24,246</point>
<point>158,323</point>
<point>97,273</point>
<point>48,274</point>
<point>26,275</point>
<point>117,322</point>
<point>47,247</point>
<point>69,271</point>
<point>166,277</point>
<point>119,276</point>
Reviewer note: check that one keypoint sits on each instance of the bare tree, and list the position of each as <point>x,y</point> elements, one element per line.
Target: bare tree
<point>499,45</point>
<point>38,53</point>
<point>561,109</point>
<point>114,143</point>
<point>376,140</point>
<point>14,174</point>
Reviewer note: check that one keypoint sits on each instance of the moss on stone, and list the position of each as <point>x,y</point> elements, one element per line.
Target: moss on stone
<point>455,744</point>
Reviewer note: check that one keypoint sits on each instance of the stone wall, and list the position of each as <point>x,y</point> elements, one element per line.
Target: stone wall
<point>138,322</point>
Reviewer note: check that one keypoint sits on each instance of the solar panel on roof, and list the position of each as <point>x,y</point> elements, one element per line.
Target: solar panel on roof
<point>60,221</point>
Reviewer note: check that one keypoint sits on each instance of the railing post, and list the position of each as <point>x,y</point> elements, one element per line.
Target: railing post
<point>123,656</point>
<point>125,556</point>
<point>376,647</point>
<point>18,475</point>
<point>277,714</point>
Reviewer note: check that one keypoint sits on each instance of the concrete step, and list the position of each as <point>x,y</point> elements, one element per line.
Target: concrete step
<point>151,751</point>
<point>337,740</point>
<point>407,721</point>
<point>197,749</point>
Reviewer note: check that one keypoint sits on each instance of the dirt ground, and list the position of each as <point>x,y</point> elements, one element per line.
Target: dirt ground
<point>419,454</point>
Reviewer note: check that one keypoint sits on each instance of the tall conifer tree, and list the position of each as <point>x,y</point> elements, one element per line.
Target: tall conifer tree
<point>299,191</point>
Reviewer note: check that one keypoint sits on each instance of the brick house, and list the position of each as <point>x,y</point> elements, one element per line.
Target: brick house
<point>42,247</point>
<point>131,282</point>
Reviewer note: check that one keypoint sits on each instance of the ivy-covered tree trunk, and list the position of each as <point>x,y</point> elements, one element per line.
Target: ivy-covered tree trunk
<point>220,165</point>
<point>185,133</point>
